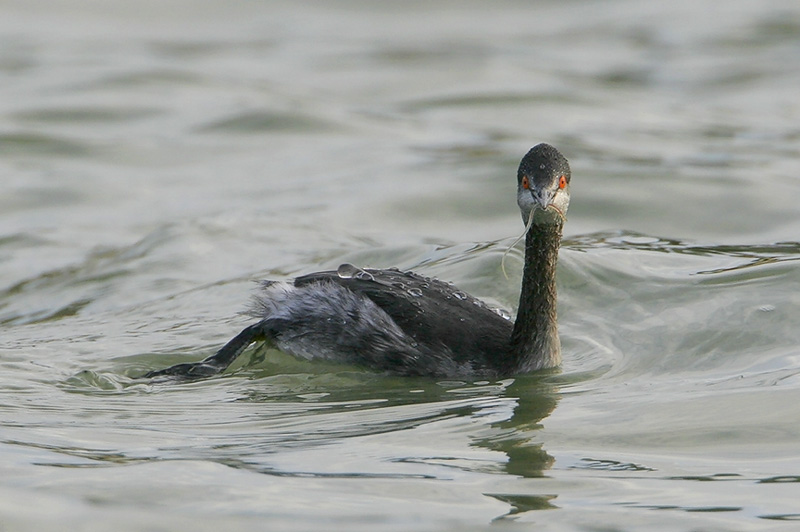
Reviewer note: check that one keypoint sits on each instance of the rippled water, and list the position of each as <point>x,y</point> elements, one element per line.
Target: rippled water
<point>157,158</point>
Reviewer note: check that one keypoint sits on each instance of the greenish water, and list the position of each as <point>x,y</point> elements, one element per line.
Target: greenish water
<point>156,159</point>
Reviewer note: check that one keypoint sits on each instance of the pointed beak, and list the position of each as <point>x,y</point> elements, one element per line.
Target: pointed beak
<point>543,198</point>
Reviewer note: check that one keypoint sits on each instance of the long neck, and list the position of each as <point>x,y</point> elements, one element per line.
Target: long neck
<point>534,341</point>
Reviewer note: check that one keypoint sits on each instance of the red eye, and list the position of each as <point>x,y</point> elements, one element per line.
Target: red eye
<point>525,184</point>
<point>562,183</point>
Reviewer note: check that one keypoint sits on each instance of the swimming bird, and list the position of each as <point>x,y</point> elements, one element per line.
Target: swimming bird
<point>407,324</point>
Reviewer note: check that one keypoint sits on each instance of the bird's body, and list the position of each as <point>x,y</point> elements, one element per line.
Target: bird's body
<point>404,323</point>
<point>380,319</point>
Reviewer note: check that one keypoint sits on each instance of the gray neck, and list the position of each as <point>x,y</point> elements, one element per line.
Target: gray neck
<point>534,341</point>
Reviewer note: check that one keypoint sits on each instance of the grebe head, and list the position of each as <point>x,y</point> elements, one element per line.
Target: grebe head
<point>543,186</point>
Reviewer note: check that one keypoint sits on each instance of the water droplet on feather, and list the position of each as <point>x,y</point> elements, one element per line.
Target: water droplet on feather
<point>346,271</point>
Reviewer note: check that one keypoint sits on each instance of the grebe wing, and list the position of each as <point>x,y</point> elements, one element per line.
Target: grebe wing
<point>432,312</point>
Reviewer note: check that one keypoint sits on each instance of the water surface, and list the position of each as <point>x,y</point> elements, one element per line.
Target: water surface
<point>157,159</point>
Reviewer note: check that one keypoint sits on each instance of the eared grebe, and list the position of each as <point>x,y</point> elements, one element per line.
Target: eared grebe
<point>407,324</point>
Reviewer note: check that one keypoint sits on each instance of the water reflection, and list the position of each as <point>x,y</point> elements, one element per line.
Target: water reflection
<point>308,425</point>
<point>515,436</point>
